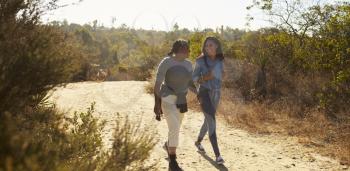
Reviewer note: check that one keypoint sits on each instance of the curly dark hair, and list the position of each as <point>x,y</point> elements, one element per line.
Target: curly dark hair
<point>177,45</point>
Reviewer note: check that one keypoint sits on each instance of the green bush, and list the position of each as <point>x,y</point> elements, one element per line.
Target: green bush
<point>41,139</point>
<point>308,55</point>
<point>34,58</point>
<point>44,139</point>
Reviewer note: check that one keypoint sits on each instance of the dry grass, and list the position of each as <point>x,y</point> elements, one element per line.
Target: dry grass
<point>289,109</point>
<point>151,81</point>
<point>314,129</point>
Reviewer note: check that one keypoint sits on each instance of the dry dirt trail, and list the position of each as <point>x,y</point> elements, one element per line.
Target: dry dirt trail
<point>241,150</point>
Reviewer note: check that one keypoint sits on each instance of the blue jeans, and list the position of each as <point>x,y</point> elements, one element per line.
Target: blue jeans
<point>209,100</point>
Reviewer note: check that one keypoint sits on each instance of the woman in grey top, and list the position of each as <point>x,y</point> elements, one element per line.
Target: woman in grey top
<point>173,79</point>
<point>208,72</point>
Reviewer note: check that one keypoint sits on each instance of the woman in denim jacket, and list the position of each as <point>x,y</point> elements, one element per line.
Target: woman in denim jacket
<point>208,73</point>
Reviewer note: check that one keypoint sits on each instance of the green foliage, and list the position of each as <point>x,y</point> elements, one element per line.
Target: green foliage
<point>139,50</point>
<point>85,138</point>
<point>41,139</point>
<point>29,52</point>
<point>34,58</point>
<point>196,43</point>
<point>333,57</point>
<point>314,43</point>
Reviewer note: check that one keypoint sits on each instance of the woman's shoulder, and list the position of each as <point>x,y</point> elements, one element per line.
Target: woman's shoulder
<point>166,59</point>
<point>188,63</point>
<point>200,58</point>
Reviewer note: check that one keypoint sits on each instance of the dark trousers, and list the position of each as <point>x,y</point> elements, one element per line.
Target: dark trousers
<point>208,102</point>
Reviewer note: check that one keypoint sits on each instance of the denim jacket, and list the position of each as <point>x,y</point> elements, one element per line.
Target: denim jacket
<point>201,69</point>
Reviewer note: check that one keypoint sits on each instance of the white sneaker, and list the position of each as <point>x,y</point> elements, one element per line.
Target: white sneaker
<point>199,147</point>
<point>219,160</point>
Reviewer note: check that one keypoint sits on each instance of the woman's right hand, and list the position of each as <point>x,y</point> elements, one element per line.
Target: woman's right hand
<point>209,75</point>
<point>158,111</point>
<point>157,108</point>
<point>206,77</point>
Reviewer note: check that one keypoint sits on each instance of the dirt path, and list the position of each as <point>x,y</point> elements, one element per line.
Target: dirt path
<point>242,151</point>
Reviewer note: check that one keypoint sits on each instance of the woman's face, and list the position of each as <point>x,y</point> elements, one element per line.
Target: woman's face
<point>183,52</point>
<point>210,48</point>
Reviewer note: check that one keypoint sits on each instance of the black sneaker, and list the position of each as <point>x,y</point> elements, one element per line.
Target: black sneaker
<point>199,146</point>
<point>174,166</point>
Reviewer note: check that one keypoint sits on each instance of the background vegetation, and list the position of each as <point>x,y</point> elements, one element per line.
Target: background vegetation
<point>292,78</point>
<point>34,58</point>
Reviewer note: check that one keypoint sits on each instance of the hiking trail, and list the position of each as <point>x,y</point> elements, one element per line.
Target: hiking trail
<point>240,149</point>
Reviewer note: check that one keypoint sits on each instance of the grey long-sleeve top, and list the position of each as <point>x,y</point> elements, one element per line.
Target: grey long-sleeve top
<point>174,77</point>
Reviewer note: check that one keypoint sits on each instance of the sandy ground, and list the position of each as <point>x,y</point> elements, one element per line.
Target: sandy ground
<point>241,150</point>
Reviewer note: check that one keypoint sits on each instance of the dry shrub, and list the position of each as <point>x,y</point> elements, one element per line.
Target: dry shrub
<point>151,81</point>
<point>239,75</point>
<point>310,125</point>
<point>131,147</point>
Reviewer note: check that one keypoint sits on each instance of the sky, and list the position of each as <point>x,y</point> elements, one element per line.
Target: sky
<point>159,14</point>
